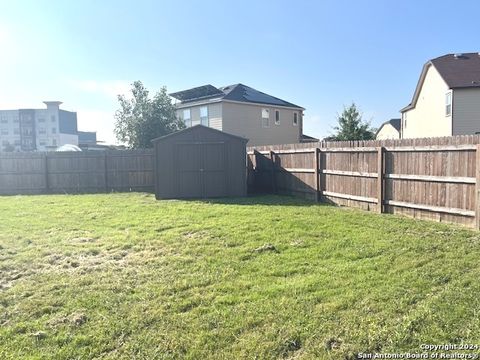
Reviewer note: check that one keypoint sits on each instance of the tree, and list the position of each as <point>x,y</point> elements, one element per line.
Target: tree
<point>141,119</point>
<point>351,126</point>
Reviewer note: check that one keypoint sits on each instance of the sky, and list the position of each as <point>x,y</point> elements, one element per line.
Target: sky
<point>322,55</point>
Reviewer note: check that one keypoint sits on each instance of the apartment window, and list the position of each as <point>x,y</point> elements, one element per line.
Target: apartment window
<point>277,117</point>
<point>187,119</point>
<point>16,131</point>
<point>17,142</point>
<point>41,120</point>
<point>5,143</point>
<point>53,118</point>
<point>54,142</point>
<point>42,131</point>
<point>4,120</point>
<point>42,143</point>
<point>265,118</point>
<point>16,119</point>
<point>204,115</point>
<point>295,119</point>
<point>448,104</point>
<point>54,130</point>
<point>4,132</point>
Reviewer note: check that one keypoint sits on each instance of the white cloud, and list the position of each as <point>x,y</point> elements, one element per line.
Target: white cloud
<point>110,88</point>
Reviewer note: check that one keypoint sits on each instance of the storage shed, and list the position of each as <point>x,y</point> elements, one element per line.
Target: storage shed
<point>200,162</point>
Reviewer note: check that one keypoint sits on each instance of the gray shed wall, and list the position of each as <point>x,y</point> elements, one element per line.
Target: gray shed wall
<point>200,162</point>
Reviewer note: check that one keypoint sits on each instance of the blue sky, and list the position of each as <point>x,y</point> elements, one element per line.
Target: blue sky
<point>321,54</point>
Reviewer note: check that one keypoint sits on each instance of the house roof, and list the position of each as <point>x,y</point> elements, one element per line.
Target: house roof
<point>457,70</point>
<point>236,92</point>
<point>394,122</point>
<point>307,138</point>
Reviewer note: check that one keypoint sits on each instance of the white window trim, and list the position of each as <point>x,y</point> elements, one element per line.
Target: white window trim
<point>265,118</point>
<point>293,119</point>
<point>189,118</point>
<point>208,117</point>
<point>448,114</point>
<point>275,120</point>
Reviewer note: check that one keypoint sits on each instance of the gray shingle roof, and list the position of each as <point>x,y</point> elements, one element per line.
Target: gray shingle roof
<point>236,92</point>
<point>459,71</point>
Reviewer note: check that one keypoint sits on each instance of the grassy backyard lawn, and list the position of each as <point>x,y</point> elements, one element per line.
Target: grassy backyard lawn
<point>124,276</point>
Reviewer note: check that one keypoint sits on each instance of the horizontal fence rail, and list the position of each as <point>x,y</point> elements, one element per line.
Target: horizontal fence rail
<point>436,179</point>
<point>76,172</point>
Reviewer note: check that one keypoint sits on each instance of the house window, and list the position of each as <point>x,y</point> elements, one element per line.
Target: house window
<point>404,120</point>
<point>265,118</point>
<point>187,119</point>
<point>204,115</point>
<point>448,104</point>
<point>277,117</point>
<point>295,119</point>
<point>54,130</point>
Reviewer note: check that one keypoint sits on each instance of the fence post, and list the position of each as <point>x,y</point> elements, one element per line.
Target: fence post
<point>317,175</point>
<point>274,183</point>
<point>477,188</point>
<point>47,185</point>
<point>380,178</point>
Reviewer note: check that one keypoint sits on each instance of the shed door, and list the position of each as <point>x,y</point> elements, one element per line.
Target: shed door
<point>201,169</point>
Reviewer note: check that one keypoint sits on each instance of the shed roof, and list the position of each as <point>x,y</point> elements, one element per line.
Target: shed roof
<point>196,127</point>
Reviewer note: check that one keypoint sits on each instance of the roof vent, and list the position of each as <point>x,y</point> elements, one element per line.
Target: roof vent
<point>458,56</point>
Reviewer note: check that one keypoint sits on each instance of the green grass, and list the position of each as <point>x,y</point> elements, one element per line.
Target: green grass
<point>124,276</point>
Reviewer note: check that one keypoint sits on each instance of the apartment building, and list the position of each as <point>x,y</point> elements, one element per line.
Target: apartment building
<point>37,129</point>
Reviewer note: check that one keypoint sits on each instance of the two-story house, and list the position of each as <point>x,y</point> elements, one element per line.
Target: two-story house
<point>243,111</point>
<point>446,101</point>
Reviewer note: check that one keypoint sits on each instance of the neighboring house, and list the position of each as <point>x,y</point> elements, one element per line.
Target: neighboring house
<point>308,139</point>
<point>37,129</point>
<point>87,138</point>
<point>446,101</point>
<point>242,111</point>
<point>389,130</point>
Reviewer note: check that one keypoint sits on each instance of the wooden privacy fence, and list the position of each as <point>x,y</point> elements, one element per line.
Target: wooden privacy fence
<point>76,172</point>
<point>437,182</point>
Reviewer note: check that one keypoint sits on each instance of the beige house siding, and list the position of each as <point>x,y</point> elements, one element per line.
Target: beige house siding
<point>246,120</point>
<point>214,114</point>
<point>388,132</point>
<point>466,111</point>
<point>427,118</point>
